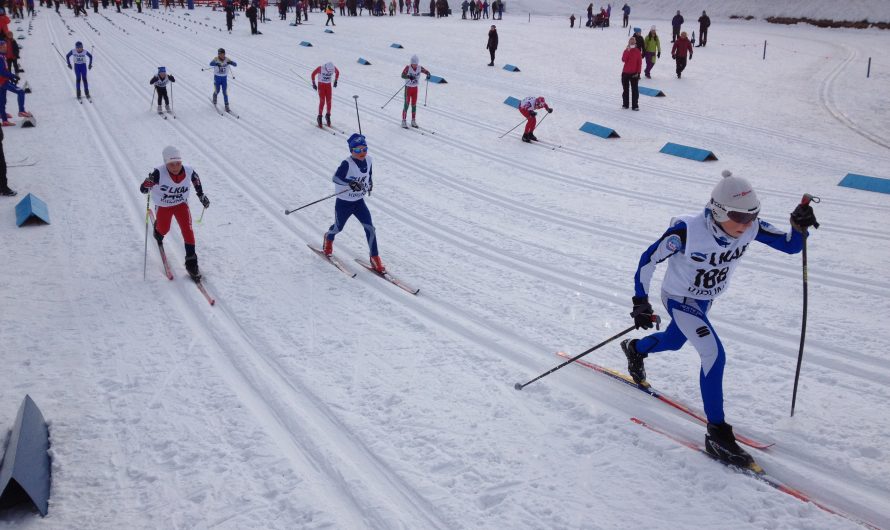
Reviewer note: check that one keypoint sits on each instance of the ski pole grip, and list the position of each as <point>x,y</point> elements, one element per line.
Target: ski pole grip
<point>657,320</point>
<point>807,199</point>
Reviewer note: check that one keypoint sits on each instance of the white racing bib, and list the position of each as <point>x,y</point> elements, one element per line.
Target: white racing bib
<point>357,174</point>
<point>169,193</point>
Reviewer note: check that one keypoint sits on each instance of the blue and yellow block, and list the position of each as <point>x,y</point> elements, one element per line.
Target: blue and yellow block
<point>864,182</point>
<point>513,102</point>
<point>362,60</point>
<point>31,210</point>
<point>511,68</point>
<point>654,92</point>
<point>328,30</point>
<point>306,44</point>
<point>396,45</point>
<point>685,151</point>
<point>437,80</point>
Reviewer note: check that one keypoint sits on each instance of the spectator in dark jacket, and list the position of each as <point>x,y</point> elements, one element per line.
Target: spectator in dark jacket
<point>679,51</point>
<point>704,22</point>
<point>676,22</point>
<point>638,36</point>
<point>492,45</point>
<point>626,10</point>
<point>251,15</point>
<point>630,74</point>
<point>4,187</point>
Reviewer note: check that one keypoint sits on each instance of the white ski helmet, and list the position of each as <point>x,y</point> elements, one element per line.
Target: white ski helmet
<point>328,67</point>
<point>171,154</point>
<point>415,59</point>
<point>734,198</point>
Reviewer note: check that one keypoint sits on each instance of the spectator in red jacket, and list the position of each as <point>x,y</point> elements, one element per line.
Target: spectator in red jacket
<point>679,51</point>
<point>630,74</point>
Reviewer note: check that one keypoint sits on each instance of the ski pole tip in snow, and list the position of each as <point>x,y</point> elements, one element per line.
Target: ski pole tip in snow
<point>517,386</point>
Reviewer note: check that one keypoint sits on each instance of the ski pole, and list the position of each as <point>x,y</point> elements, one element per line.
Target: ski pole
<point>171,97</point>
<point>288,212</point>
<point>427,91</point>
<point>393,96</point>
<point>145,256</point>
<point>540,122</point>
<point>60,53</point>
<point>357,116</point>
<point>655,318</point>
<point>152,104</point>
<point>511,130</point>
<point>298,75</point>
<point>202,215</point>
<point>807,198</point>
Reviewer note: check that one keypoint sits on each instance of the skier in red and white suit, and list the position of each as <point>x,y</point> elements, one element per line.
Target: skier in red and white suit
<point>412,74</point>
<point>325,73</point>
<point>528,108</point>
<point>170,185</point>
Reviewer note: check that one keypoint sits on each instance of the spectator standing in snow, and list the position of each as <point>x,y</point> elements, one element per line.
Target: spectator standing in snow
<point>5,191</point>
<point>626,11</point>
<point>572,21</point>
<point>704,22</point>
<point>676,22</point>
<point>630,74</point>
<point>492,45</point>
<point>679,51</point>
<point>641,44</point>
<point>651,50</point>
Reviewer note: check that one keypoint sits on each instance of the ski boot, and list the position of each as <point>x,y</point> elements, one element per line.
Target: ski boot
<point>191,265</point>
<point>635,366</point>
<point>167,107</point>
<point>720,443</point>
<point>25,114</point>
<point>227,108</point>
<point>158,237</point>
<point>532,137</point>
<point>377,265</point>
<point>526,139</point>
<point>213,99</point>
<point>404,124</point>
<point>327,119</point>
<point>86,93</point>
<point>159,110</point>
<point>78,93</point>
<point>7,192</point>
<point>327,247</point>
<point>413,123</point>
<point>319,122</point>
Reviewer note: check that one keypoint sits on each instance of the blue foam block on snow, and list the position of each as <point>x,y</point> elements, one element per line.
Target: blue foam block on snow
<point>599,130</point>
<point>864,182</point>
<point>438,80</point>
<point>362,60</point>
<point>654,92</point>
<point>513,102</point>
<point>25,473</point>
<point>684,151</point>
<point>396,45</point>
<point>31,209</point>
<point>306,44</point>
<point>328,30</point>
<point>511,68</point>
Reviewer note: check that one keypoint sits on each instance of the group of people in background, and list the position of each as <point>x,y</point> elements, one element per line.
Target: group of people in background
<point>10,70</point>
<point>649,48</point>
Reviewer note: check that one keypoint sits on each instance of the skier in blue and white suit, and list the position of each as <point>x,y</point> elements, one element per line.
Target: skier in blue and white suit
<point>704,250</point>
<point>80,66</point>
<point>352,181</point>
<point>220,65</point>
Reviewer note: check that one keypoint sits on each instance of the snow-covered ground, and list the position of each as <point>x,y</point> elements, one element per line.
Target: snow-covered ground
<point>306,399</point>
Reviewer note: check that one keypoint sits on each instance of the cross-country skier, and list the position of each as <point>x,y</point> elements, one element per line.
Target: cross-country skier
<point>326,73</point>
<point>80,66</point>
<point>528,107</point>
<point>412,74</point>
<point>220,65</point>
<point>160,82</point>
<point>703,250</point>
<point>352,181</point>
<point>8,82</point>
<point>170,185</point>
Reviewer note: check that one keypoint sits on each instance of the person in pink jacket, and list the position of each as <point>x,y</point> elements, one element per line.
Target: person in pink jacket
<point>630,74</point>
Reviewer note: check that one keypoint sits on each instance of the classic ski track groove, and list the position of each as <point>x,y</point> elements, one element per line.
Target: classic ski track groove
<point>828,351</point>
<point>298,407</point>
<point>478,336</point>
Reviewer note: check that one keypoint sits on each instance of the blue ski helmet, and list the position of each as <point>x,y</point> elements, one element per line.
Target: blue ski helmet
<point>162,69</point>
<point>357,140</point>
<point>78,44</point>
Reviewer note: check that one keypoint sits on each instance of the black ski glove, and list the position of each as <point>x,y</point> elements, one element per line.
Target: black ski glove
<point>532,113</point>
<point>70,67</point>
<point>428,76</point>
<point>549,110</point>
<point>370,188</point>
<point>642,313</point>
<point>803,217</point>
<point>658,55</point>
<point>355,185</point>
<point>314,87</point>
<point>335,83</point>
<point>90,67</point>
<point>204,201</point>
